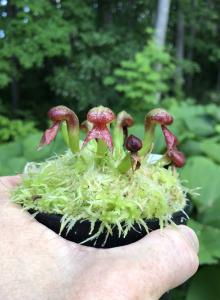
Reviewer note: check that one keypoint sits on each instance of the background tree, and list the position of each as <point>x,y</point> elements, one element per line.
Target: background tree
<point>32,32</point>
<point>162,22</point>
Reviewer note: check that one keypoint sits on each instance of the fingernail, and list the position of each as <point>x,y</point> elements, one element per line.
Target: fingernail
<point>191,237</point>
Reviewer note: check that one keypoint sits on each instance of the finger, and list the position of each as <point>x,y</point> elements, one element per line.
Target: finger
<point>7,183</point>
<point>170,255</point>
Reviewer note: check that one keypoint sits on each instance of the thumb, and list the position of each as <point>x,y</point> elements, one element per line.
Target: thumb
<point>169,258</point>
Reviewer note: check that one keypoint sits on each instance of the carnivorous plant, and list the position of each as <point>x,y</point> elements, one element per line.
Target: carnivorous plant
<point>110,176</point>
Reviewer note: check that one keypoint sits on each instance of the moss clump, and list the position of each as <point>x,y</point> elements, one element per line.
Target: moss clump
<point>61,186</point>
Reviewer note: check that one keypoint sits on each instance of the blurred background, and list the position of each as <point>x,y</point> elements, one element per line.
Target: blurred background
<point>128,55</point>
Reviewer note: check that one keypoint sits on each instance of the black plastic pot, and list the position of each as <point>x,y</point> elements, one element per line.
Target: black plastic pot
<point>81,229</point>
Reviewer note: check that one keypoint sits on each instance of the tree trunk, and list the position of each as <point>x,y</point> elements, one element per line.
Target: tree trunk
<point>15,99</point>
<point>179,46</point>
<point>104,13</point>
<point>161,30</point>
<point>11,11</point>
<point>14,94</point>
<point>162,22</point>
<point>190,53</point>
<point>218,80</point>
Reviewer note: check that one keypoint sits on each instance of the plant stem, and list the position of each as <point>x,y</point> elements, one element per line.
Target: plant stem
<point>148,140</point>
<point>101,151</point>
<point>73,134</point>
<point>65,133</point>
<point>118,138</point>
<point>125,164</point>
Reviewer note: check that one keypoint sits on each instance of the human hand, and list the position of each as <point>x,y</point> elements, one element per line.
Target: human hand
<point>36,263</point>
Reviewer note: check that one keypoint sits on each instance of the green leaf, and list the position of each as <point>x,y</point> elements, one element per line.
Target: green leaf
<point>201,172</point>
<point>30,147</point>
<point>209,239</point>
<point>211,149</point>
<point>16,165</point>
<point>211,215</point>
<point>200,126</point>
<point>191,147</point>
<point>205,284</point>
<point>10,150</point>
